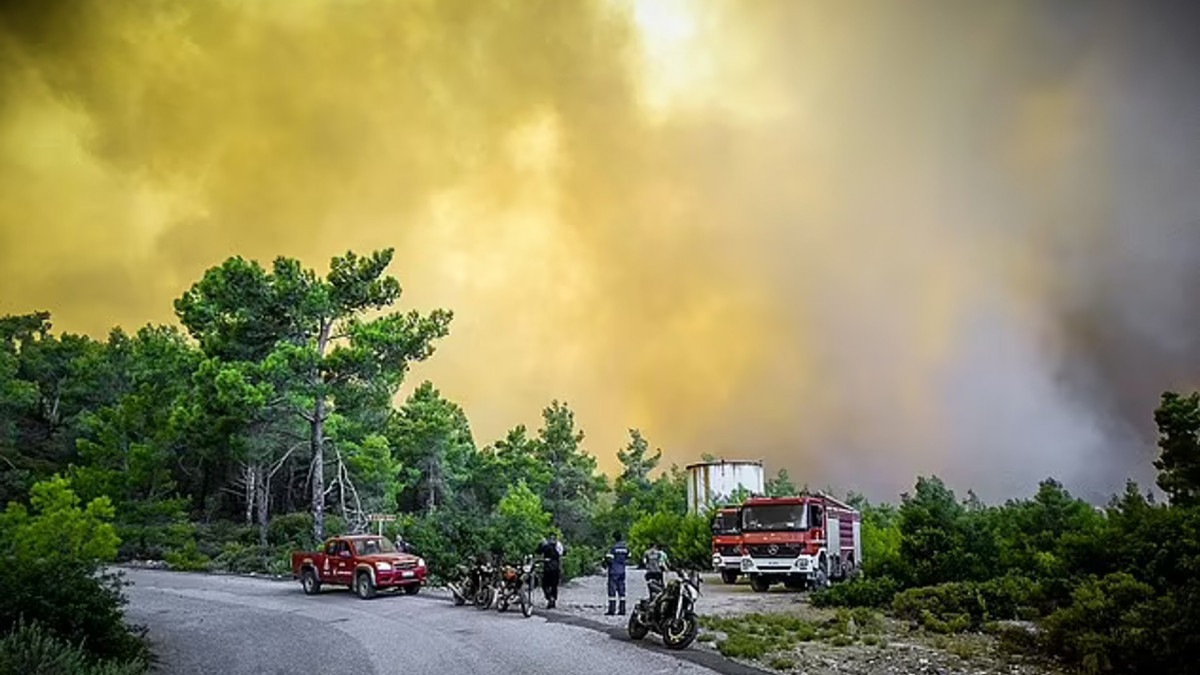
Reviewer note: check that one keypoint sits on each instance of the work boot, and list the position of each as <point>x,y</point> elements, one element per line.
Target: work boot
<point>622,610</point>
<point>612,608</point>
<point>550,604</point>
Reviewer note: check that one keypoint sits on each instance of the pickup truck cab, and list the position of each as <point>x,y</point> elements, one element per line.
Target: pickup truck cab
<point>364,562</point>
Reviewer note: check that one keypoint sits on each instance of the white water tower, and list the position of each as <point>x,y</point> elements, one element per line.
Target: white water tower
<point>710,481</point>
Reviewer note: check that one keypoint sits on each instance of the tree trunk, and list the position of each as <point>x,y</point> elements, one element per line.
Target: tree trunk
<point>262,491</point>
<point>249,475</point>
<point>318,437</point>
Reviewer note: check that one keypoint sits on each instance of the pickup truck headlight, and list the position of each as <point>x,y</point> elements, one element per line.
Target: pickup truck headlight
<point>420,562</point>
<point>383,567</point>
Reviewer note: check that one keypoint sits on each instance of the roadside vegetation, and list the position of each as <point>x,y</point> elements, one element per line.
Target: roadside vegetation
<point>1104,590</point>
<point>278,415</point>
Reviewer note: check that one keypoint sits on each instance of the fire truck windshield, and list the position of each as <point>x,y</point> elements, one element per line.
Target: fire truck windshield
<point>774,517</point>
<point>725,523</point>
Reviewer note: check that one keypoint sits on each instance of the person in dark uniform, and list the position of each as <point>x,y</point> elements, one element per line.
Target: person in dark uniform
<point>551,551</point>
<point>615,561</point>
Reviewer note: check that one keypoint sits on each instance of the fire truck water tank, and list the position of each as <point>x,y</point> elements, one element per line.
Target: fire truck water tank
<point>712,482</point>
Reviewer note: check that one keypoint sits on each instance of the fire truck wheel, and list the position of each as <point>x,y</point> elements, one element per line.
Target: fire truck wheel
<point>729,576</point>
<point>760,584</point>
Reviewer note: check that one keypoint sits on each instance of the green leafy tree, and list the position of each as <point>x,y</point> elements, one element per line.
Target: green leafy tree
<point>633,485</point>
<point>1178,419</point>
<point>128,450</point>
<point>929,525</point>
<point>508,460</point>
<point>571,492</point>
<point>312,336</point>
<point>661,528</point>
<point>433,437</point>
<point>781,485</point>
<point>521,522</point>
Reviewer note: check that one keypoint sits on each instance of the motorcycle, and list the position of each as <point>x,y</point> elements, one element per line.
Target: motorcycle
<point>516,585</point>
<point>670,611</point>
<point>465,584</point>
<point>487,576</point>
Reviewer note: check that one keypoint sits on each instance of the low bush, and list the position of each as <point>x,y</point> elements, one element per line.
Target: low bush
<point>959,606</point>
<point>862,592</point>
<point>30,649</point>
<point>243,559</point>
<point>1114,624</point>
<point>743,645</point>
<point>188,559</point>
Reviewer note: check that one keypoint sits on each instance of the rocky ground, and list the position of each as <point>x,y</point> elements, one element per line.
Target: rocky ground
<point>889,647</point>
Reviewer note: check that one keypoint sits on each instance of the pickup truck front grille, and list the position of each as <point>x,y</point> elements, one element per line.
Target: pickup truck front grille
<point>406,565</point>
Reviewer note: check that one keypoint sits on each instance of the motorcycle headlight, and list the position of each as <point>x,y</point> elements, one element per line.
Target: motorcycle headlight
<point>383,567</point>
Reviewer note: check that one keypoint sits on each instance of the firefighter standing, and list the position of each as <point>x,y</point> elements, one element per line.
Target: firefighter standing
<point>615,561</point>
<point>655,562</point>
<point>551,551</point>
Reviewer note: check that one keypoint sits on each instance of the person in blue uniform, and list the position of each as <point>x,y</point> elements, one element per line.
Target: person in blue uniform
<point>614,562</point>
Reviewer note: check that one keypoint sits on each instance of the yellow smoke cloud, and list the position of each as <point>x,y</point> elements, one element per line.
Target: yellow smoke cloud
<point>755,229</point>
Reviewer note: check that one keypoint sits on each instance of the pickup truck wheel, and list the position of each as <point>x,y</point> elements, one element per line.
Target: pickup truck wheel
<point>310,582</point>
<point>413,589</point>
<point>365,588</point>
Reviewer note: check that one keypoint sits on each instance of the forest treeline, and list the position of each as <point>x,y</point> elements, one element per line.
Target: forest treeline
<point>268,419</point>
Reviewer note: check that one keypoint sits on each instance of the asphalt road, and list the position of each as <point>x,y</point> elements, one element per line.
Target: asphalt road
<point>237,625</point>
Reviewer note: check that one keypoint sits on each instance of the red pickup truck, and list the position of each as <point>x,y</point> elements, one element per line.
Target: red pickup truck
<point>363,562</point>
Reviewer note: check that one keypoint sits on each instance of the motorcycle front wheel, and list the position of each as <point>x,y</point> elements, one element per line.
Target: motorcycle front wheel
<point>679,633</point>
<point>637,629</point>
<point>526,603</point>
<point>483,600</point>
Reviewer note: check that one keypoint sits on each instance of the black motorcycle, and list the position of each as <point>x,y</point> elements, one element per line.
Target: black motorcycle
<point>488,580</point>
<point>516,587</point>
<point>670,611</point>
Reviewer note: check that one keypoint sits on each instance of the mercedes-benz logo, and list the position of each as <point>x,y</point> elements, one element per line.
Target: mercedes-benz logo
<point>772,549</point>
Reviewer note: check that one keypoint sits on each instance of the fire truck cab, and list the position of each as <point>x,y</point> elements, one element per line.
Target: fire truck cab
<point>727,544</point>
<point>801,541</point>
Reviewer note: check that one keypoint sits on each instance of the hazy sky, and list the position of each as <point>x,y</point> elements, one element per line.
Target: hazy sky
<point>862,240</point>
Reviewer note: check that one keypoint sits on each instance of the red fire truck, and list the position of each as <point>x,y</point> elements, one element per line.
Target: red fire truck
<point>727,544</point>
<point>802,541</point>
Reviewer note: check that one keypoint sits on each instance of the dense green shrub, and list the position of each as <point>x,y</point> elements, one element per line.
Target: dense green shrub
<point>581,560</point>
<point>53,575</point>
<point>149,530</point>
<point>244,559</point>
<point>1114,623</point>
<point>30,649</point>
<point>294,530</point>
<point>692,545</point>
<point>687,538</point>
<point>188,559</point>
<point>862,592</point>
<point>959,604</point>
<point>654,528</point>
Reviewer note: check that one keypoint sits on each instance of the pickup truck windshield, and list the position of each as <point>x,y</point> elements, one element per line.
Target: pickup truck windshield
<point>725,523</point>
<point>774,517</point>
<point>374,546</point>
